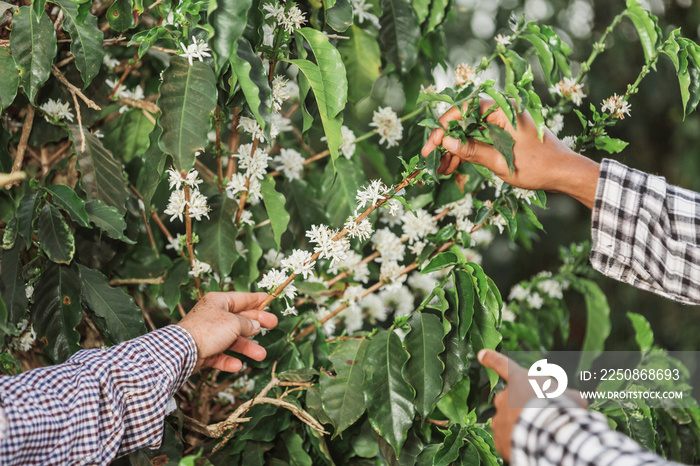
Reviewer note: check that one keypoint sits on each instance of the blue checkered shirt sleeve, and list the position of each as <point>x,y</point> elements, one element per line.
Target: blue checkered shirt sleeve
<point>96,406</point>
<point>647,233</point>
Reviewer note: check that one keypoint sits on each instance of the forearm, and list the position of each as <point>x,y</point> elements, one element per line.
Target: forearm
<point>563,434</point>
<point>574,175</point>
<point>98,405</point>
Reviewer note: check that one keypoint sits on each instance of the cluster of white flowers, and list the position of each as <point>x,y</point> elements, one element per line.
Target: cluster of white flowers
<point>56,110</point>
<point>26,338</point>
<point>109,61</point>
<point>569,89</point>
<point>291,163</point>
<point>347,148</point>
<point>226,396</point>
<point>417,225</point>
<point>255,166</point>
<point>532,294</point>
<point>616,106</point>
<point>461,210</point>
<point>399,299</point>
<point>353,264</point>
<point>329,326</point>
<point>299,262</point>
<point>524,194</point>
<point>556,123</point>
<point>290,19</point>
<point>326,246</point>
<point>274,278</point>
<point>29,292</point>
<point>177,203</point>
<point>465,75</point>
<point>252,127</point>
<point>373,193</point>
<point>195,51</point>
<point>362,11</point>
<point>388,125</point>
<point>360,230</point>
<point>199,268</point>
<point>273,258</point>
<point>281,92</point>
<point>388,245</point>
<point>569,141</point>
<point>503,40</point>
<point>498,221</point>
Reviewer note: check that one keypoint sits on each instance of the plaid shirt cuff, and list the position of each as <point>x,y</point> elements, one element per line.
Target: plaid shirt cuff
<point>175,351</point>
<point>555,432</point>
<point>647,233</point>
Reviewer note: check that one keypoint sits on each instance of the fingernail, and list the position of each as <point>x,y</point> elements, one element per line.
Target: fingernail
<point>256,325</point>
<point>480,355</point>
<point>450,144</point>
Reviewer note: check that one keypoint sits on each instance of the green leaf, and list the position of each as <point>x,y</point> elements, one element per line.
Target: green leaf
<point>597,321</point>
<point>647,30</point>
<point>454,403</point>
<point>129,136</point>
<point>610,145</point>
<point>9,76</point>
<point>152,168</point>
<point>544,54</point>
<point>449,450</point>
<point>108,219</point>
<point>399,34</point>
<point>456,349</point>
<point>122,317</point>
<point>26,213</point>
<point>422,9</point>
<point>339,16</point>
<point>187,98</point>
<point>12,284</point>
<point>33,46</point>
<point>304,206</point>
<point>119,15</point>
<point>506,105</point>
<point>483,332</point>
<point>227,19</point>
<point>86,40</point>
<point>57,311</point>
<point>55,237</point>
<point>643,334</point>
<point>274,205</point>
<point>295,449</point>
<point>4,6</point>
<point>424,368</point>
<point>217,237</point>
<point>388,397</point>
<point>339,191</point>
<point>465,300</point>
<point>503,142</point>
<point>441,261</point>
<point>252,77</point>
<point>438,11</point>
<point>65,198</point>
<point>101,175</point>
<point>176,276</point>
<point>689,75</point>
<point>363,62</point>
<point>341,394</point>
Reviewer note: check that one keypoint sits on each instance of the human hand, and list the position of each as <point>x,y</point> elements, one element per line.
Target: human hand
<point>546,164</point>
<point>222,321</point>
<point>517,394</point>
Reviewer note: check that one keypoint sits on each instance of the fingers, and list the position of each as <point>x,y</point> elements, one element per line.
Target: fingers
<point>495,361</point>
<point>249,348</point>
<point>246,327</point>
<point>224,363</point>
<point>452,166</point>
<point>266,319</point>
<point>434,140</point>
<point>237,301</point>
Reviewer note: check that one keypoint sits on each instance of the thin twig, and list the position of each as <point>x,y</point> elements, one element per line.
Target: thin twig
<point>148,117</point>
<point>244,194</point>
<point>234,139</point>
<point>142,104</point>
<point>65,61</point>
<point>59,75</point>
<point>129,68</point>
<point>80,121</point>
<point>22,146</point>
<point>155,4</point>
<point>137,281</point>
<point>188,233</point>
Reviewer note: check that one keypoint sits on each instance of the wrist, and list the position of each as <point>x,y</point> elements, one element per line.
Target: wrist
<point>575,176</point>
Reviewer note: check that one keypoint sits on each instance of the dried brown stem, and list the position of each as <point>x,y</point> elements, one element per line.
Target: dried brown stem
<point>142,104</point>
<point>129,68</point>
<point>219,154</point>
<point>188,232</point>
<point>244,194</point>
<point>80,121</point>
<point>22,146</point>
<point>65,61</point>
<point>234,140</point>
<point>137,281</point>
<point>62,79</point>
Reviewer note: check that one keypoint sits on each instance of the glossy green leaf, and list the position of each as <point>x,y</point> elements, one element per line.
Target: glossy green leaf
<point>610,145</point>
<point>26,214</point>
<point>86,40</point>
<point>228,19</point>
<point>441,261</point>
<point>689,75</point>
<point>12,285</point>
<point>152,169</point>
<point>363,62</point>
<point>122,317</point>
<point>544,54</point>
<point>187,98</point>
<point>388,397</point>
<point>597,321</point>
<point>57,311</point>
<point>175,277</point>
<point>129,136</point>
<point>466,295</point>
<point>339,16</point>
<point>274,205</point>
<point>217,237</point>
<point>55,237</point>
<point>424,368</point>
<point>64,197</point>
<point>643,334</point>
<point>399,34</point>
<point>33,46</point>
<point>456,349</point>
<point>304,206</point>
<point>454,403</point>
<point>438,12</point>
<point>102,177</point>
<point>295,449</point>
<point>449,450</point>
<point>252,77</point>
<point>339,191</point>
<point>484,330</point>
<point>108,219</point>
<point>342,397</point>
<point>503,142</point>
<point>119,15</point>
<point>422,9</point>
<point>647,30</point>
<point>9,76</point>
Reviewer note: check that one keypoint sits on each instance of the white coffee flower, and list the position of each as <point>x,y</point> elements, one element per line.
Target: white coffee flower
<point>195,51</point>
<point>279,124</point>
<point>347,148</point>
<point>375,308</point>
<point>226,396</point>
<point>236,185</point>
<point>273,258</point>
<point>274,10</point>
<point>389,246</point>
<point>499,221</point>
<point>361,230</point>
<point>353,318</point>
<point>535,300</point>
<point>176,243</point>
<point>198,206</point>
<point>503,40</point>
<point>291,163</point>
<point>56,110</point>
<point>280,92</point>
<point>290,311</point>
<point>176,205</point>
<point>417,226</point>
<point>29,291</point>
<point>399,299</point>
<point>464,75</point>
<point>570,90</point>
<point>251,126</point>
<point>507,315</point>
<point>268,35</point>
<point>525,194</point>
<point>26,338</point>
<point>616,106</point>
<point>109,61</point>
<point>255,164</point>
<point>417,247</point>
<point>199,268</point>
<point>551,288</point>
<point>556,123</point>
<point>299,262</point>
<point>481,237</point>
<point>388,126</point>
<point>293,19</point>
<point>518,293</point>
<point>362,11</point>
<point>247,218</point>
<point>329,326</point>
<point>569,141</point>
<point>390,271</point>
<point>373,193</point>
<point>272,279</point>
<point>353,293</point>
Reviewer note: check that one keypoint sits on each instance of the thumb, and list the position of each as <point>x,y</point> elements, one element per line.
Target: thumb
<point>495,361</point>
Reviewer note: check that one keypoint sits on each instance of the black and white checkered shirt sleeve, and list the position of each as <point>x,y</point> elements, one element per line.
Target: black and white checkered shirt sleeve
<point>564,434</point>
<point>97,405</point>
<point>647,233</point>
